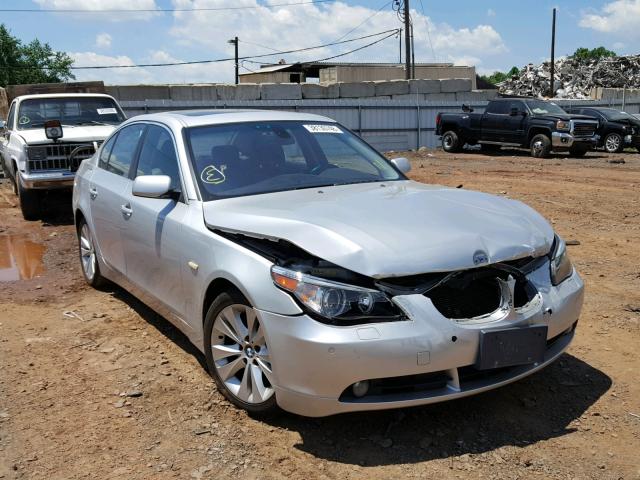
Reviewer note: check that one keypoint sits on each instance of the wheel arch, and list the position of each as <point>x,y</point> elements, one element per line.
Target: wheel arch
<point>216,287</point>
<point>533,131</point>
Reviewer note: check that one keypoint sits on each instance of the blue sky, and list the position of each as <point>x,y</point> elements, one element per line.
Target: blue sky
<point>493,34</point>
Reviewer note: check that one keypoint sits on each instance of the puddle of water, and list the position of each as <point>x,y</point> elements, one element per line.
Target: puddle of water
<point>20,258</point>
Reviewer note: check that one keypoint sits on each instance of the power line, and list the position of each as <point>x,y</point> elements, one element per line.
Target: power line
<point>386,4</point>
<point>96,67</point>
<point>433,52</point>
<point>161,10</point>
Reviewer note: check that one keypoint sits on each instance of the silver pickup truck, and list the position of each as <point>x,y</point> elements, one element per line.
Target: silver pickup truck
<point>46,137</point>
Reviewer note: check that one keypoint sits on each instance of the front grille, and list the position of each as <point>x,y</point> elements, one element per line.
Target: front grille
<point>584,129</point>
<point>56,156</point>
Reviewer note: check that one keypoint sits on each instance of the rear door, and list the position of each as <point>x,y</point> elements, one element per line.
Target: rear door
<point>107,189</point>
<point>153,240</point>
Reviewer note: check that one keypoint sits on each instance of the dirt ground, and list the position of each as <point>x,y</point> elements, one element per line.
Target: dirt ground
<point>95,385</point>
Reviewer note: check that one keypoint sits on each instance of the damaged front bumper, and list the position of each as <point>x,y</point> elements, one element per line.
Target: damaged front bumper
<point>426,359</point>
<point>47,180</point>
<point>560,140</point>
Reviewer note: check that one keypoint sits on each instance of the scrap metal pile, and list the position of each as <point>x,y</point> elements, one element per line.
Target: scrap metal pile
<point>574,78</point>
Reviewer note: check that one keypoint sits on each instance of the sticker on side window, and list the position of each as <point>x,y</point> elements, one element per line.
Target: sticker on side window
<point>323,128</point>
<point>107,111</point>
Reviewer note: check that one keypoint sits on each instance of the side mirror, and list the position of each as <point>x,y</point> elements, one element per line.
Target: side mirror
<point>151,186</point>
<point>466,108</point>
<point>53,129</point>
<point>3,124</point>
<point>402,164</point>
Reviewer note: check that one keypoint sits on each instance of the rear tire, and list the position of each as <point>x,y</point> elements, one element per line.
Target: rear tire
<point>540,146</point>
<point>613,143</point>
<point>451,143</point>
<point>29,202</point>
<point>237,354</point>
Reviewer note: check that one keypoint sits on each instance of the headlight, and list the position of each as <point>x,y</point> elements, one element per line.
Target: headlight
<point>562,125</point>
<point>561,266</point>
<point>36,153</point>
<point>337,302</point>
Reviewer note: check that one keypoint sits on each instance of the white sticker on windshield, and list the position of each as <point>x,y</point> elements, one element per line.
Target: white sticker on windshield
<point>107,111</point>
<point>323,128</point>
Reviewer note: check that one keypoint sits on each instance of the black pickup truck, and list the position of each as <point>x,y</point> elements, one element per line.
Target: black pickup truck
<point>538,125</point>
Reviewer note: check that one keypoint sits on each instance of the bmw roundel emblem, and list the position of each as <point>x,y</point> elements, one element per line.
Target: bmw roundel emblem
<point>480,257</point>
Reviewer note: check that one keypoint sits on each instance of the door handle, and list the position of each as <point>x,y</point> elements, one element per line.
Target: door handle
<point>126,210</point>
<point>93,193</point>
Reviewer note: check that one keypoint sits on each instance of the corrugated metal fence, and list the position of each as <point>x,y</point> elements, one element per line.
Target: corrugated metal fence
<point>387,125</point>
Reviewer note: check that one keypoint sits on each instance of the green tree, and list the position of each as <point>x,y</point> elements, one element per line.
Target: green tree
<point>585,54</point>
<point>497,77</point>
<point>34,62</point>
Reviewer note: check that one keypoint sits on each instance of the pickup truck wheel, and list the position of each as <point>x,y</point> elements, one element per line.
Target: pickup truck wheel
<point>451,142</point>
<point>613,143</point>
<point>237,354</point>
<point>29,202</point>
<point>540,146</point>
<point>88,257</point>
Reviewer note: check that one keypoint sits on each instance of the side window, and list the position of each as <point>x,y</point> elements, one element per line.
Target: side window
<point>12,114</point>
<point>517,105</point>
<point>106,150</point>
<point>497,107</point>
<point>124,149</point>
<point>158,156</point>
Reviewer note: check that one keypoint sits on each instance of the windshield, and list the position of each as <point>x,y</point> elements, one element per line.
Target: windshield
<point>617,115</point>
<point>71,111</point>
<point>538,107</point>
<point>258,157</point>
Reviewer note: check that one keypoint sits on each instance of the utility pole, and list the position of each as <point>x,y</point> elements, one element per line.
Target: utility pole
<point>413,55</point>
<point>234,41</point>
<point>407,40</point>
<point>552,90</point>
<point>400,39</point>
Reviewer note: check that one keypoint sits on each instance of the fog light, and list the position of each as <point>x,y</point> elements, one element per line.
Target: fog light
<point>360,389</point>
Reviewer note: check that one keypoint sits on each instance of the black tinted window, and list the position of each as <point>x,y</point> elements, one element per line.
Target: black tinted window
<point>498,107</point>
<point>158,156</point>
<point>106,150</point>
<point>124,149</point>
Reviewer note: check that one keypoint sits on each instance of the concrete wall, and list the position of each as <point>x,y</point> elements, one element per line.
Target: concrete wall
<point>426,90</point>
<point>349,73</point>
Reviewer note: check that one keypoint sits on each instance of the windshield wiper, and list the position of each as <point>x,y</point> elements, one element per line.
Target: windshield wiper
<point>92,122</point>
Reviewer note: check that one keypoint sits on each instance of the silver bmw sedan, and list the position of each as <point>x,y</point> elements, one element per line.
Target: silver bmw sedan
<point>311,272</point>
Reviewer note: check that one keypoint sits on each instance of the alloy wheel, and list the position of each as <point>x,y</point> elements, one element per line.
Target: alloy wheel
<point>240,354</point>
<point>448,141</point>
<point>87,253</point>
<point>612,143</point>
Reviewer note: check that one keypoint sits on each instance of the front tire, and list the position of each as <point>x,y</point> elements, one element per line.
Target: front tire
<point>540,146</point>
<point>237,354</point>
<point>613,143</point>
<point>88,256</point>
<point>29,202</point>
<point>451,142</point>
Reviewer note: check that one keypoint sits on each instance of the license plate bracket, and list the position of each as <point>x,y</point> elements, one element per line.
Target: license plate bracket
<point>512,346</point>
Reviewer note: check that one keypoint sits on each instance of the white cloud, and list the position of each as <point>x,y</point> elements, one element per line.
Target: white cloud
<point>109,76</point>
<point>619,17</point>
<point>103,40</point>
<point>288,28</point>
<point>98,5</point>
<point>491,12</point>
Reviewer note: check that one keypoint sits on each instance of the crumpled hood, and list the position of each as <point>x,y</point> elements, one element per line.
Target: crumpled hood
<point>84,133</point>
<point>392,229</point>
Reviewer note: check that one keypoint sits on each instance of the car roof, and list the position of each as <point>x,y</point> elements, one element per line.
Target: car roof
<point>196,118</point>
<point>62,95</point>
